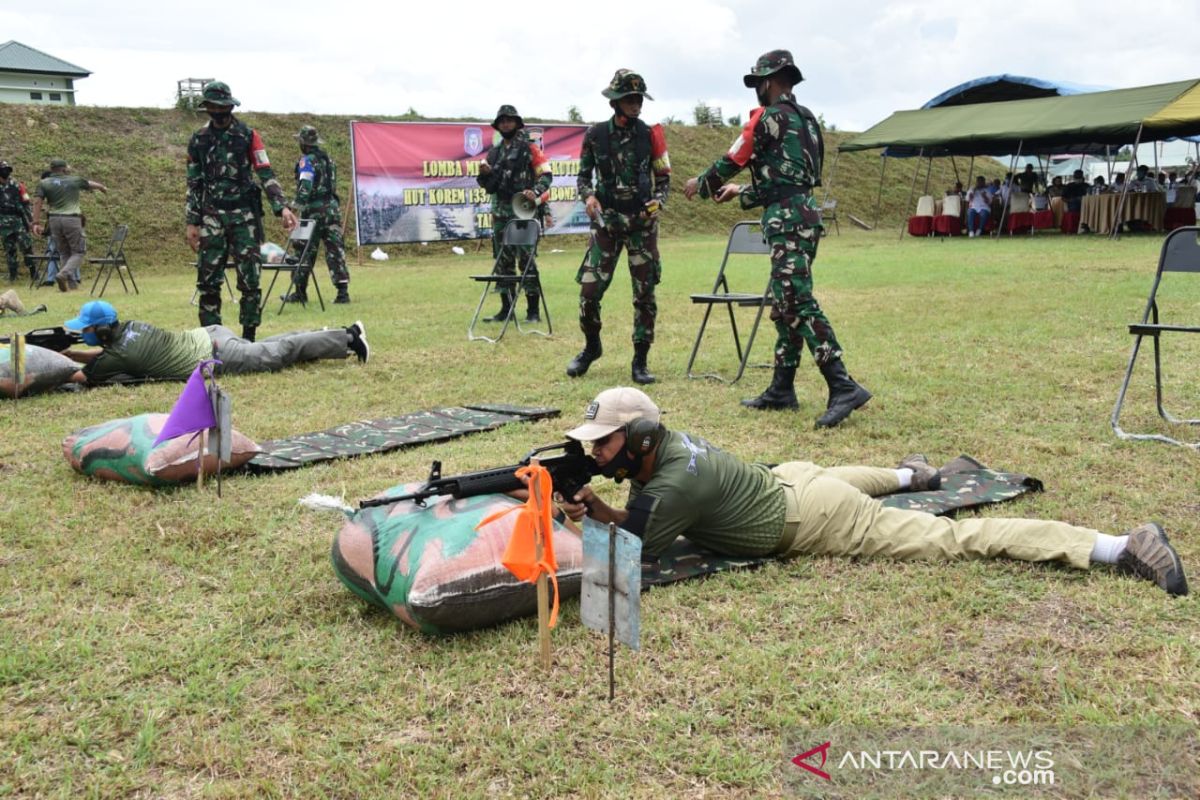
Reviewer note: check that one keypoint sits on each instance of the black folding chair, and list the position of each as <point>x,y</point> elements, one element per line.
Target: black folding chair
<point>1180,253</point>
<point>295,261</point>
<point>114,261</point>
<point>521,238</point>
<point>829,214</point>
<point>745,238</point>
<point>224,273</point>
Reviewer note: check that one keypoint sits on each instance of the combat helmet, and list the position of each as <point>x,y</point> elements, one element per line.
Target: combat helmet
<point>508,111</point>
<point>308,136</point>
<point>624,83</point>
<point>217,93</point>
<point>768,64</point>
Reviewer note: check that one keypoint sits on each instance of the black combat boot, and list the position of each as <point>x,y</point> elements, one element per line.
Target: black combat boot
<point>502,314</point>
<point>638,372</point>
<point>248,332</point>
<point>844,394</point>
<point>590,352</point>
<point>780,395</point>
<point>299,294</point>
<point>343,293</point>
<point>532,312</point>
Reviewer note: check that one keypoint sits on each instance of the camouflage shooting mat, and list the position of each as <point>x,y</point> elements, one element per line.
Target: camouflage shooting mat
<point>966,483</point>
<point>432,569</point>
<point>392,433</point>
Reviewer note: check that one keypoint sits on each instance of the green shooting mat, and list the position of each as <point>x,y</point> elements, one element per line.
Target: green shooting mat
<point>966,483</point>
<point>383,435</point>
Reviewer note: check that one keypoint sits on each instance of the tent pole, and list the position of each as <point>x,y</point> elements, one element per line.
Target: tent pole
<point>1012,168</point>
<point>912,191</point>
<point>970,174</point>
<point>1108,162</point>
<point>928,173</point>
<point>879,197</point>
<point>1115,233</point>
<point>954,164</point>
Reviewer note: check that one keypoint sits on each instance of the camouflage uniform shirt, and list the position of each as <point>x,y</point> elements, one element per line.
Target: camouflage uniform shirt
<point>630,182</point>
<point>517,164</point>
<point>316,182</point>
<point>220,167</point>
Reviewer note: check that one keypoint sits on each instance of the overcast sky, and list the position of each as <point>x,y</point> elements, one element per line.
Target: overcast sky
<point>460,58</point>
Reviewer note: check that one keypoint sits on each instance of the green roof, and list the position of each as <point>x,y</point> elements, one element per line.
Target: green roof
<point>17,57</point>
<point>1045,124</point>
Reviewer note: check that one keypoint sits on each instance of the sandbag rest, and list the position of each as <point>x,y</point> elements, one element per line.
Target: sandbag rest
<point>384,435</point>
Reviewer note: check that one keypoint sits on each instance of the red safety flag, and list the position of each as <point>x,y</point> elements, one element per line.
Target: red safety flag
<point>520,557</point>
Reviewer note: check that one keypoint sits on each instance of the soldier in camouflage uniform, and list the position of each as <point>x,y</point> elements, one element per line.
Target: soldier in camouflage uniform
<point>634,176</point>
<point>317,199</point>
<point>224,206</point>
<point>15,221</point>
<point>515,166</point>
<point>781,144</point>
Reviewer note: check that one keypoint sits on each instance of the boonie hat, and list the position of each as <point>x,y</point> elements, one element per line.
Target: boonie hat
<point>508,111</point>
<point>611,409</point>
<point>768,64</point>
<point>94,312</point>
<point>308,135</point>
<point>58,163</point>
<point>624,83</point>
<point>217,93</point>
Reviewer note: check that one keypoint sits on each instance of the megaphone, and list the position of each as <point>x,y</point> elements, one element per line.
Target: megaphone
<point>523,207</point>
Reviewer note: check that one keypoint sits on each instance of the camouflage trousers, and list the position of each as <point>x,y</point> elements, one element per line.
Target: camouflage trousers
<point>798,318</point>
<point>640,237</point>
<point>507,258</point>
<point>16,240</point>
<point>327,231</point>
<point>232,234</point>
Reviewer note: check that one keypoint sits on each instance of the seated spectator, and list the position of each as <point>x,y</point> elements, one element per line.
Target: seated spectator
<point>1118,184</point>
<point>1055,189</point>
<point>132,351</point>
<point>1098,185</point>
<point>958,190</point>
<point>1074,191</point>
<point>979,207</point>
<point>1172,180</point>
<point>1144,182</point>
<point>1029,180</point>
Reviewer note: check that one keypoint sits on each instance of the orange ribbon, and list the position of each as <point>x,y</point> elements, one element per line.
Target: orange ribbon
<point>520,557</point>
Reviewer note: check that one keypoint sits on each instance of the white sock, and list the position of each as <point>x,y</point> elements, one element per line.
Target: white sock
<point>904,475</point>
<point>1108,548</point>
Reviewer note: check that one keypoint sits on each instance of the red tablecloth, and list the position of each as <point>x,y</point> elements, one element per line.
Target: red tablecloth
<point>947,225</point>
<point>1070,222</point>
<point>1179,217</point>
<point>920,226</point>
<point>1043,219</point>
<point>1019,221</point>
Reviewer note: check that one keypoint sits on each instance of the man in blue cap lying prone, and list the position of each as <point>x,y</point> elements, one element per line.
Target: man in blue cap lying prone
<point>136,351</point>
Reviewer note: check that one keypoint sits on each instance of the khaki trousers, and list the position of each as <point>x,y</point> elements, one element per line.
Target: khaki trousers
<point>834,512</point>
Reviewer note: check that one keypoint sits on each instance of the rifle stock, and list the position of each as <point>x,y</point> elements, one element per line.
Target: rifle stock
<point>570,471</point>
<point>57,339</point>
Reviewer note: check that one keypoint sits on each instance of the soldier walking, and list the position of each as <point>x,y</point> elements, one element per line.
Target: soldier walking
<point>317,199</point>
<point>224,206</point>
<point>781,144</point>
<point>64,218</point>
<point>515,166</point>
<point>15,221</point>
<point>633,178</point>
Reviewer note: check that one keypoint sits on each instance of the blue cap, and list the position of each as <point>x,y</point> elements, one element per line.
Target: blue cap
<point>94,312</point>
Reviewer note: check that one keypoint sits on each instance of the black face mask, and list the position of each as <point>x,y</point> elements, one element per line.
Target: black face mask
<point>220,118</point>
<point>4,173</point>
<point>510,134</point>
<point>622,466</point>
<point>764,98</point>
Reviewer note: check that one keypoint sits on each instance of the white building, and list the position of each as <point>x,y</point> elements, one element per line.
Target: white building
<point>31,76</point>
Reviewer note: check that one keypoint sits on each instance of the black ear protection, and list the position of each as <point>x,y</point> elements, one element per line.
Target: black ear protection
<point>104,333</point>
<point>642,437</point>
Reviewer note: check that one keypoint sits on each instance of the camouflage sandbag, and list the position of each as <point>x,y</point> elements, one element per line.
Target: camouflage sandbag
<point>433,570</point>
<point>44,370</point>
<point>123,450</point>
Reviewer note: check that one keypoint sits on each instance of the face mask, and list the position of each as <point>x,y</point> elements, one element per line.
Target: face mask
<point>4,174</point>
<point>90,337</point>
<point>220,118</point>
<point>510,134</point>
<point>764,99</point>
<point>622,466</point>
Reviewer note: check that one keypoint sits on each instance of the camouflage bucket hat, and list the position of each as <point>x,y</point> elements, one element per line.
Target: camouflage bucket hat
<point>769,64</point>
<point>58,163</point>
<point>508,111</point>
<point>217,93</point>
<point>308,136</point>
<point>624,83</point>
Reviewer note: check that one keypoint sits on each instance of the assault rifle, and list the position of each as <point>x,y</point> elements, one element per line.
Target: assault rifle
<point>570,471</point>
<point>58,339</point>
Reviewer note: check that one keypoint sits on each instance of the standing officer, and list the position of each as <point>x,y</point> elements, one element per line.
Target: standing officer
<point>781,144</point>
<point>15,221</point>
<point>59,191</point>
<point>224,207</point>
<point>317,199</point>
<point>515,166</point>
<point>634,176</point>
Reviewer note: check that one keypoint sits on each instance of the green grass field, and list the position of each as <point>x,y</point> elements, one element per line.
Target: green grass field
<point>170,644</point>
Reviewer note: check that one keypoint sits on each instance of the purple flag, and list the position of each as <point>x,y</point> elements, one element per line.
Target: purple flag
<point>193,411</point>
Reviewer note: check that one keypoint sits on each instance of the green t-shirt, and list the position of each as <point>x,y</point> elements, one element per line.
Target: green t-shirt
<point>140,350</point>
<point>62,193</point>
<point>711,497</point>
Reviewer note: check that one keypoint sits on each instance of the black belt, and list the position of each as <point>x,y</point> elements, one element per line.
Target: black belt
<point>782,193</point>
<point>64,215</point>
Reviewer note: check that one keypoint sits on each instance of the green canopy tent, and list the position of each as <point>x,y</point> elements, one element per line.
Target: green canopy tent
<point>1074,123</point>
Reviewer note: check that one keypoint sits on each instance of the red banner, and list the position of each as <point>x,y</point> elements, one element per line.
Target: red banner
<point>415,181</point>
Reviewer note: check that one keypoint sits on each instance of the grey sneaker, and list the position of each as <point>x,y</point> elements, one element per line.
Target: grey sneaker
<point>1149,555</point>
<point>925,476</point>
<point>358,341</point>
